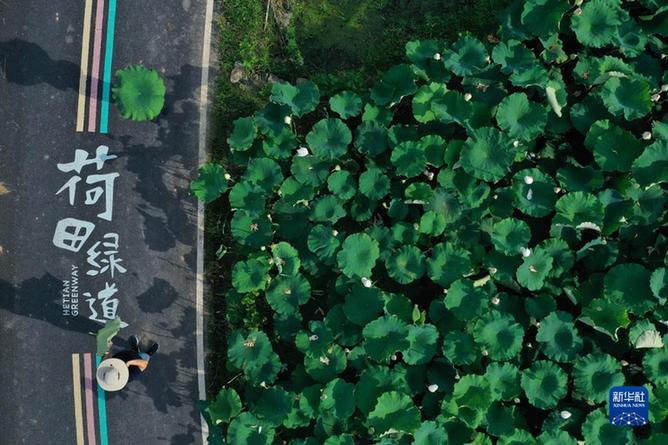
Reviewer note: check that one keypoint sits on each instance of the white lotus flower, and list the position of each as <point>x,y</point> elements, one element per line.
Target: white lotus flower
<point>366,282</point>
<point>647,135</point>
<point>468,97</point>
<point>664,88</point>
<point>302,151</point>
<point>516,143</point>
<point>227,176</point>
<point>565,414</point>
<point>496,301</point>
<point>528,180</point>
<point>526,252</point>
<point>656,97</point>
<point>287,120</point>
<point>432,388</point>
<point>437,56</point>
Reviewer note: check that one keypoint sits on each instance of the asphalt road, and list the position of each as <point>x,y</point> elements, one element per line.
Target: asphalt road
<point>153,224</point>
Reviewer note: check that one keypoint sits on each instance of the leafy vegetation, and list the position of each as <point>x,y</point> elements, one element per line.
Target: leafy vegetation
<point>473,251</point>
<point>139,93</point>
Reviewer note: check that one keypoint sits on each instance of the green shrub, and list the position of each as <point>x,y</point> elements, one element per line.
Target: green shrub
<point>474,252</point>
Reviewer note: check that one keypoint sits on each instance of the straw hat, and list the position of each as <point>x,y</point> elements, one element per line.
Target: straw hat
<point>112,374</point>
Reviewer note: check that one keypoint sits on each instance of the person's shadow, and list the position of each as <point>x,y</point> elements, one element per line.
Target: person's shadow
<point>26,63</point>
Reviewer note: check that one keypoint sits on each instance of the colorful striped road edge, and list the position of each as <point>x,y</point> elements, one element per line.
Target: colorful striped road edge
<point>94,70</point>
<point>87,387</point>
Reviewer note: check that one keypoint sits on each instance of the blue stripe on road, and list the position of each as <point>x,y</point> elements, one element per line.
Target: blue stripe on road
<point>101,408</point>
<point>108,55</point>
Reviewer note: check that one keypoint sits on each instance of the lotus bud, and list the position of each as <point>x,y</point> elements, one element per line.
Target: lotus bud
<point>485,353</point>
<point>394,357</point>
<point>516,400</point>
<point>324,360</point>
<point>416,226</point>
<point>366,282</point>
<point>468,97</point>
<point>493,270</point>
<point>565,414</point>
<point>647,135</point>
<point>529,195</point>
<point>495,196</point>
<point>656,97</point>
<point>263,384</point>
<point>429,175</point>
<point>227,176</point>
<point>624,363</point>
<point>532,268</point>
<point>432,388</point>
<point>259,428</point>
<point>526,252</point>
<point>313,338</point>
<point>516,143</point>
<point>302,151</point>
<point>577,11</point>
<point>437,56</point>
<point>528,180</point>
<point>496,300</point>
<point>557,189</point>
<point>335,232</point>
<point>664,88</point>
<point>337,168</point>
<point>263,248</point>
<point>488,59</point>
<point>287,120</point>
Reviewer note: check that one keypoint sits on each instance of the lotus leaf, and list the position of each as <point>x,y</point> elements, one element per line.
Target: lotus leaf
<point>499,334</point>
<point>464,300</point>
<point>251,275</point>
<point>544,384</point>
<point>346,104</point>
<point>652,165</point>
<point>374,184</point>
<point>466,56</point>
<point>597,23</point>
<point>487,154</point>
<point>358,255</point>
<point>251,230</point>
<point>302,98</point>
<point>384,337</point>
<point>395,84</point>
<point>139,93</point>
<point>210,183</point>
<point>627,97</point>
<point>558,337</point>
<point>406,265</point>
<point>395,411</point>
<point>520,117</point>
<point>243,134</point>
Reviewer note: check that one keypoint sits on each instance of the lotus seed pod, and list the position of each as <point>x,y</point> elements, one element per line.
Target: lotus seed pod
<point>432,388</point>
<point>529,195</point>
<point>647,135</point>
<point>468,97</point>
<point>528,180</point>
<point>532,268</point>
<point>526,252</point>
<point>302,151</point>
<point>437,56</point>
<point>496,301</point>
<point>287,120</point>
<point>227,176</point>
<point>366,282</point>
<point>656,97</point>
<point>664,88</point>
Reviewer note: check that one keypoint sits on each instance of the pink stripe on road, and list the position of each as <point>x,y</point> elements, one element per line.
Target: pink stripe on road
<point>95,73</point>
<point>90,413</point>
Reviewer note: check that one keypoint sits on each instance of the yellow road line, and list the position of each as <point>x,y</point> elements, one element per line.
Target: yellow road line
<point>76,386</point>
<point>85,48</point>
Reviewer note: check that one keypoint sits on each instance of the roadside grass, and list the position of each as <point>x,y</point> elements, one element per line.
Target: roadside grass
<point>339,45</point>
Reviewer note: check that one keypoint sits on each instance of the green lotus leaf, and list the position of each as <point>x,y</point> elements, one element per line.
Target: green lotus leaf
<point>274,405</point>
<point>394,411</point>
<point>644,335</point>
<point>520,117</point>
<point>247,428</point>
<point>576,209</point>
<point>487,154</point>
<point>376,380</point>
<point>243,134</point>
<point>452,106</point>
<point>553,49</point>
<point>419,193</point>
<point>291,221</point>
<point>651,167</point>
<point>627,97</point>
<point>325,367</point>
<point>542,17</point>
<point>518,437</point>
<point>466,56</point>
<point>655,365</point>
<point>291,191</point>
<point>434,149</point>
<point>424,100</point>
<point>596,23</point>
<point>338,399</point>
<point>422,341</point>
<point>342,439</point>
<point>210,183</point>
<point>362,208</point>
<point>363,305</point>
<point>536,75</point>
<point>466,301</point>
<point>316,341</point>
<point>396,83</point>
<point>513,57</point>
<point>286,294</point>
<point>384,337</point>
<point>499,334</point>
<point>248,196</point>
<point>280,145</point>
<point>346,104</point>
<point>504,380</point>
<point>264,172</point>
<point>614,148</point>
<point>342,185</point>
<point>658,283</point>
<point>285,258</point>
<point>628,285</point>
<point>605,317</point>
<point>556,438</point>
<point>544,383</point>
<point>310,170</point>
<point>597,430</point>
<point>302,98</point>
<point>432,223</point>
<point>460,348</point>
<point>139,93</point>
<point>430,433</point>
<point>271,120</point>
<point>535,269</point>
<point>448,263</point>
<point>323,241</point>
<point>592,71</point>
<point>426,58</point>
<point>558,337</point>
<point>374,184</point>
<point>500,420</point>
<point>409,159</point>
<point>473,396</point>
<point>246,351</point>
<point>251,230</point>
<point>327,209</point>
<point>533,192</point>
<point>329,139</point>
<point>580,179</point>
<point>594,375</point>
<point>377,114</point>
<point>358,255</point>
<point>406,265</point>
<point>251,275</point>
<point>371,138</point>
<point>225,407</point>
<point>510,235</point>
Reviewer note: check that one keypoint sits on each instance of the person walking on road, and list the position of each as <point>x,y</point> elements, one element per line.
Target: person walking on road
<point>124,366</point>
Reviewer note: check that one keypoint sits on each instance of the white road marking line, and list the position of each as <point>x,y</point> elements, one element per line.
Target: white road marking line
<point>199,297</point>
